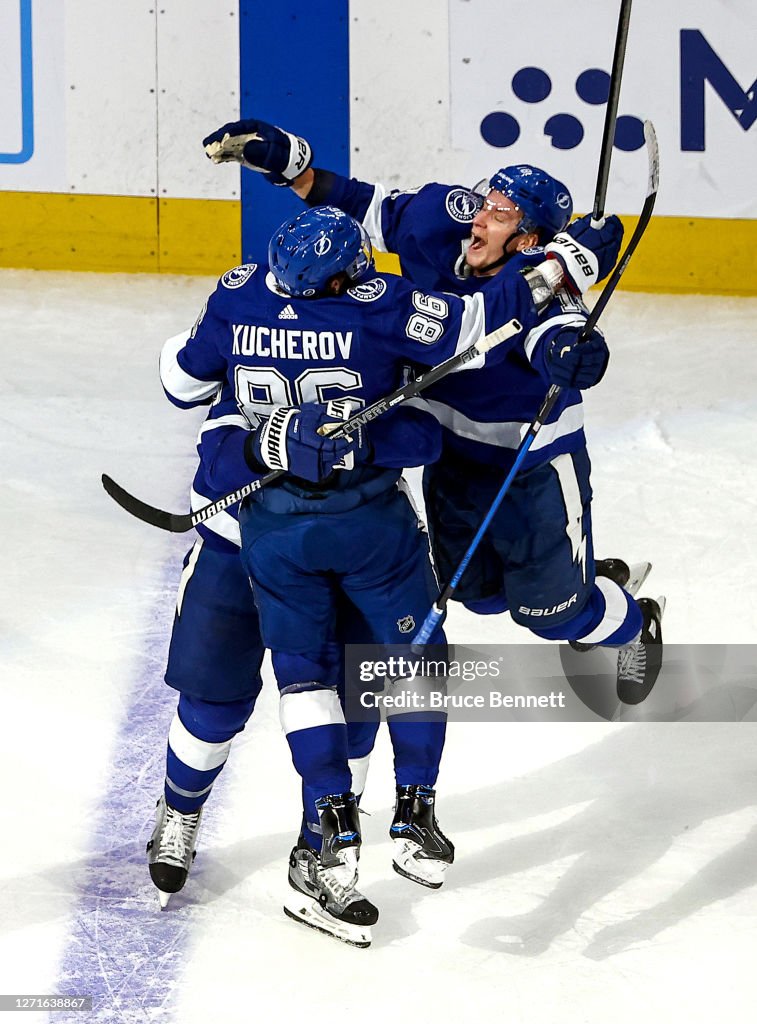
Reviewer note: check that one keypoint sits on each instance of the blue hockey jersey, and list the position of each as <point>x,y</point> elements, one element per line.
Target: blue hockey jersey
<point>484,413</point>
<point>254,347</point>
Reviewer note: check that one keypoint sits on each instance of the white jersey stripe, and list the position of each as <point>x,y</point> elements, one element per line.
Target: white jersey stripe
<point>187,572</point>
<point>222,523</point>
<point>507,434</point>
<point>472,329</point>
<point>177,382</point>
<point>562,320</point>
<point>224,421</point>
<point>571,495</point>
<point>372,218</point>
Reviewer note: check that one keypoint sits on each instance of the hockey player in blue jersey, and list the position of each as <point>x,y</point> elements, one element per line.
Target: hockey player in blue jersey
<point>214,661</point>
<point>537,559</point>
<point>275,351</point>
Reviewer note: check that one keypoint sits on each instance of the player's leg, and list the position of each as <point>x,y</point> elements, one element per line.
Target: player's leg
<point>350,627</point>
<point>417,752</point>
<point>456,501</point>
<point>458,495</point>
<point>323,866</point>
<point>550,579</point>
<point>392,583</point>
<point>214,661</point>
<point>294,591</point>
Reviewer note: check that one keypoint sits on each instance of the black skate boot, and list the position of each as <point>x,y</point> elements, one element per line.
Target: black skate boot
<point>171,849</point>
<point>328,881</point>
<point>630,578</point>
<point>421,851</point>
<point>639,663</point>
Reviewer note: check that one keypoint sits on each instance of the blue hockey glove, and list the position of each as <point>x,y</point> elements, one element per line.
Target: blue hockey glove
<point>571,365</point>
<point>261,147</point>
<point>586,254</point>
<point>289,440</point>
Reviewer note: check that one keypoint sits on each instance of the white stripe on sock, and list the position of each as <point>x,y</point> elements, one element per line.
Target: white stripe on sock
<point>359,768</point>
<point>616,611</point>
<point>306,709</point>
<point>194,752</point>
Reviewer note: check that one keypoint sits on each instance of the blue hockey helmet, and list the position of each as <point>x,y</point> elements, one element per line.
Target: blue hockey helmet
<point>546,203</point>
<point>306,252</point>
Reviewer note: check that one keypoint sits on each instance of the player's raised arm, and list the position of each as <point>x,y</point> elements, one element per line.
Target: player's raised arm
<point>285,159</point>
<point>281,157</point>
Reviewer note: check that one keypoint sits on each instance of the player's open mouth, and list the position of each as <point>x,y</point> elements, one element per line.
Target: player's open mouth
<point>477,243</point>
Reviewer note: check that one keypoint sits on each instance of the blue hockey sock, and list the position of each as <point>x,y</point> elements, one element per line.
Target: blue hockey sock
<point>418,744</point>
<point>199,741</point>
<point>316,732</point>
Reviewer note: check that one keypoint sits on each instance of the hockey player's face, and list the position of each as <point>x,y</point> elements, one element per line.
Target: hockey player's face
<point>493,230</point>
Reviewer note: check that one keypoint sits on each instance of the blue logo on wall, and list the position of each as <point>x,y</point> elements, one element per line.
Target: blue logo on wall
<point>532,85</point>
<point>700,66</point>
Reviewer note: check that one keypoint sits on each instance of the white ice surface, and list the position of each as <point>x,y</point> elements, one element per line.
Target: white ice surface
<point>603,872</point>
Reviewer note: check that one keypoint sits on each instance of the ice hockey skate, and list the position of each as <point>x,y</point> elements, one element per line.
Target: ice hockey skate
<point>639,663</point>
<point>326,884</point>
<point>421,851</point>
<point>171,849</point>
<point>630,578</point>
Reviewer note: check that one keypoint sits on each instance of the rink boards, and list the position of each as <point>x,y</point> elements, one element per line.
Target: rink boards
<point>101,166</point>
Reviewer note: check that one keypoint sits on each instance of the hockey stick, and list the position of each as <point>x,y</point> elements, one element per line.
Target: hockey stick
<point>180,523</point>
<point>434,616</point>
<point>611,114</point>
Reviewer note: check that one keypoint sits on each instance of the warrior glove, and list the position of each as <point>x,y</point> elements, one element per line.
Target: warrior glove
<point>290,440</point>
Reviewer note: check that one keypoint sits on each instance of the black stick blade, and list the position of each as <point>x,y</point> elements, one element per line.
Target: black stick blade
<point>141,510</point>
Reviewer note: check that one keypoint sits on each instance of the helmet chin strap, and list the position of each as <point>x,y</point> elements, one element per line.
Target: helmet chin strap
<point>500,261</point>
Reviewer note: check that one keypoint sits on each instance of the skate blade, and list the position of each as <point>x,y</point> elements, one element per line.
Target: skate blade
<point>164,897</point>
<point>424,871</point>
<point>419,879</point>
<point>308,912</point>
<point>638,574</point>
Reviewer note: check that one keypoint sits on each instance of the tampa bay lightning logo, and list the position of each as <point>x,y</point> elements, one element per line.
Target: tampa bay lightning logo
<point>322,246</point>
<point>461,205</point>
<point>533,250</point>
<point>368,291</point>
<point>236,278</point>
<point>563,200</point>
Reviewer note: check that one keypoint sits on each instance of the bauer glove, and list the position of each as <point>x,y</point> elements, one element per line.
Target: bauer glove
<point>586,254</point>
<point>574,365</point>
<point>261,147</point>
